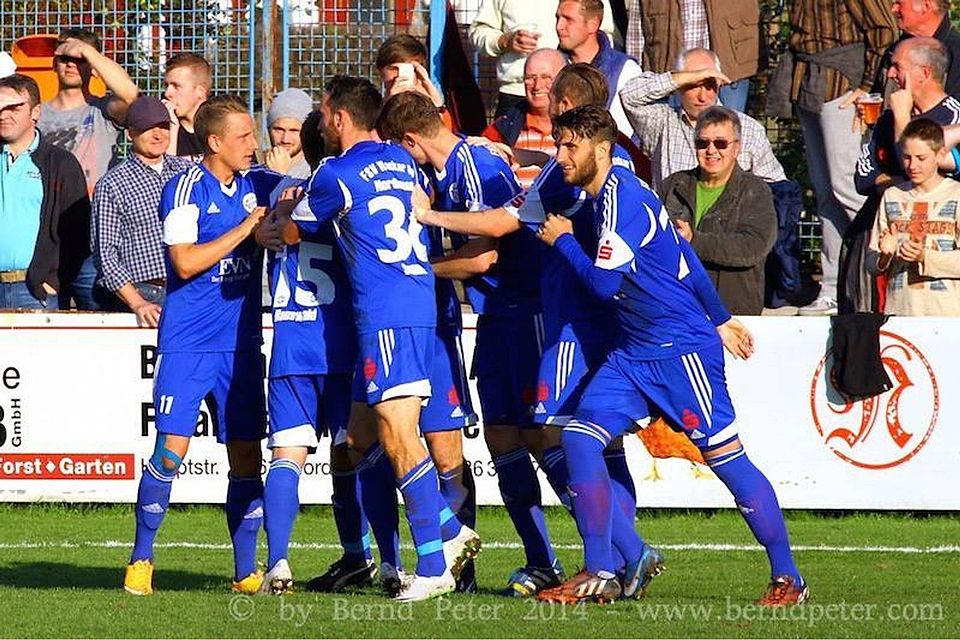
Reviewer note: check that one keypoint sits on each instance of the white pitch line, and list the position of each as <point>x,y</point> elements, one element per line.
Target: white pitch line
<point>123,544</point>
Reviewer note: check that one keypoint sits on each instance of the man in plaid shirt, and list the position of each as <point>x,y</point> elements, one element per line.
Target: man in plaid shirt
<point>666,131</point>
<point>125,228</point>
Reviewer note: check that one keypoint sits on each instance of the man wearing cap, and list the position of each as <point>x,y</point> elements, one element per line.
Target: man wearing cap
<point>284,120</point>
<point>124,225</point>
<point>41,190</point>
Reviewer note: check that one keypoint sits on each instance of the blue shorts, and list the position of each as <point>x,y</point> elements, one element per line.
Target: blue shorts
<point>230,382</point>
<point>394,363</point>
<point>304,408</point>
<point>689,391</point>
<point>565,370</point>
<point>450,407</point>
<point>505,364</point>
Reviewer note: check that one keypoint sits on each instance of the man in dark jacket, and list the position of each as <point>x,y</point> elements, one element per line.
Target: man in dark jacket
<point>725,212</point>
<point>42,194</point>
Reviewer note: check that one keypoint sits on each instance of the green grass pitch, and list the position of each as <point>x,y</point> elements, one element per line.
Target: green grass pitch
<point>871,575</point>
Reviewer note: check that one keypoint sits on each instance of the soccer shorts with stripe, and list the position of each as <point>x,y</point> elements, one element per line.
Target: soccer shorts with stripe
<point>690,391</point>
<point>505,364</point>
<point>394,363</point>
<point>450,407</point>
<point>304,408</point>
<point>231,383</point>
<point>565,369</point>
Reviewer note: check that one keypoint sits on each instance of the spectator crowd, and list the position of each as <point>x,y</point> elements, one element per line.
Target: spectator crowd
<point>78,222</point>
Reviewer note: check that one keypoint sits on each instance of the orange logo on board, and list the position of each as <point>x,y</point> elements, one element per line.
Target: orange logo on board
<point>886,430</point>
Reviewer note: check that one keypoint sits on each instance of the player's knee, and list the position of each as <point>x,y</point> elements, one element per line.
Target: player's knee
<point>502,439</point>
<point>165,460</point>
<point>581,437</point>
<point>718,453</point>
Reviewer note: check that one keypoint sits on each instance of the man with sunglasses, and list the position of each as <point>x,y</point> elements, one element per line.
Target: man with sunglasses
<point>666,129</point>
<point>89,127</point>
<point>726,213</point>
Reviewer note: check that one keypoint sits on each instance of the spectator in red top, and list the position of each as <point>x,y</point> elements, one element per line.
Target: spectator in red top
<point>527,127</point>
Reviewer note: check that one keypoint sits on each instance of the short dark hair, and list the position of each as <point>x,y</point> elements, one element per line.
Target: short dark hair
<point>78,33</point>
<point>588,122</point>
<point>22,84</point>
<point>408,112</point>
<point>582,84</point>
<point>718,115</point>
<point>197,63</point>
<point>211,116</point>
<point>589,8</point>
<point>400,48</point>
<point>311,138</point>
<point>924,129</point>
<point>356,96</point>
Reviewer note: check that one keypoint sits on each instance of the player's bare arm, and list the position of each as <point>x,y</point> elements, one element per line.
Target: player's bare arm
<point>474,258</point>
<point>492,223</point>
<point>190,260</point>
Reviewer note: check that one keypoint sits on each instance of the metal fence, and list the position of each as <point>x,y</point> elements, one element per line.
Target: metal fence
<point>142,34</point>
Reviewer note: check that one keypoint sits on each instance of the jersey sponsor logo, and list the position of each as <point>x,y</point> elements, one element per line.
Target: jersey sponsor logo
<point>250,202</point>
<point>605,252</point>
<point>234,268</point>
<point>899,422</point>
<point>67,466</point>
<point>213,208</point>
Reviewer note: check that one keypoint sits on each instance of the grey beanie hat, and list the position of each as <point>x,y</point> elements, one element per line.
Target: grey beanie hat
<point>291,103</point>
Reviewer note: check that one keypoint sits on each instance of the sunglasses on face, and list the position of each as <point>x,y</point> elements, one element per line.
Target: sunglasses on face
<point>720,144</point>
<point>69,59</point>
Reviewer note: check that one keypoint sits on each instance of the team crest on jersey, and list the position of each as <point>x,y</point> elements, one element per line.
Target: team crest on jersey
<point>454,193</point>
<point>543,391</point>
<point>250,202</point>
<point>690,420</point>
<point>453,397</point>
<point>369,369</point>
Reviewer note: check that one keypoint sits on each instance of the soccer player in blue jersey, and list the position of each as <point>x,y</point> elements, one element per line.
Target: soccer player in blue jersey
<point>576,336</point>
<point>668,355</point>
<point>468,178</point>
<point>366,191</point>
<point>209,337</point>
<point>311,372</point>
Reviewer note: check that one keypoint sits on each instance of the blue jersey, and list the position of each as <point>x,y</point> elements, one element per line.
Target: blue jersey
<point>366,192</point>
<point>473,179</point>
<point>566,302</point>
<point>659,312</point>
<point>313,329</point>
<point>219,309</point>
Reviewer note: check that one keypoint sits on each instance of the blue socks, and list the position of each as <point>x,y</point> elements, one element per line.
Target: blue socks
<point>624,490</point>
<point>555,467</point>
<point>602,524</point>
<point>421,498</point>
<point>153,498</point>
<point>281,499</point>
<point>758,504</point>
<point>521,496</point>
<point>460,494</point>
<point>244,516</point>
<point>348,516</point>
<point>378,494</point>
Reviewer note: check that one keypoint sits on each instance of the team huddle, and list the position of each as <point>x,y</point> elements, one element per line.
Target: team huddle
<point>594,317</point>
